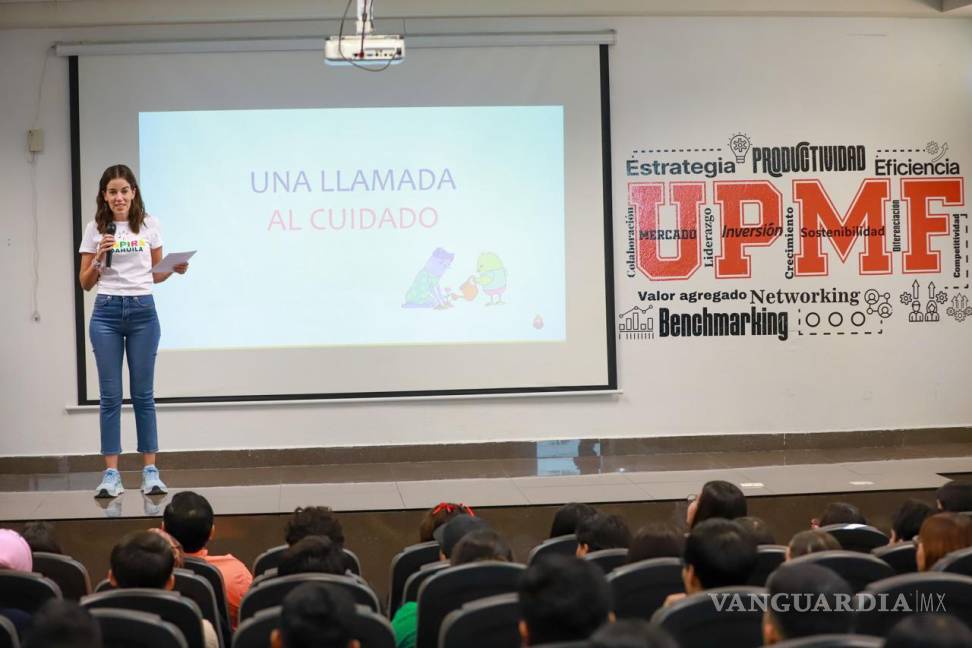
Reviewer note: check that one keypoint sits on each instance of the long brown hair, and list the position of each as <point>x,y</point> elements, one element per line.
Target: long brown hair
<point>942,534</point>
<point>136,213</point>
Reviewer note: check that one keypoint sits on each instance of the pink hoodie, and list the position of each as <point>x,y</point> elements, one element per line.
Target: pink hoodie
<point>14,552</point>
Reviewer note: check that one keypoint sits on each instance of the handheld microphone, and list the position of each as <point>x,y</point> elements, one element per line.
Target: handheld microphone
<point>109,229</point>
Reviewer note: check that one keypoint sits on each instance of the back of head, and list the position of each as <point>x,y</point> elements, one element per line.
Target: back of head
<point>955,496</point>
<point>603,531</point>
<point>808,600</point>
<point>929,631</point>
<point>757,528</point>
<point>41,537</point>
<point>631,633</point>
<point>842,513</point>
<point>941,534</point>
<point>15,553</point>
<point>569,516</point>
<point>311,554</point>
<point>719,499</point>
<point>563,598</point>
<point>656,541</point>
<point>907,521</point>
<point>317,615</point>
<point>189,519</point>
<point>483,544</point>
<point>142,559</point>
<point>811,541</point>
<point>721,553</point>
<point>314,520</point>
<point>439,515</point>
<point>63,624</point>
<point>452,532</point>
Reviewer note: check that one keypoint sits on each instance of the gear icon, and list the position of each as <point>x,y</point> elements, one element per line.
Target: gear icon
<point>941,297</point>
<point>959,315</point>
<point>905,298</point>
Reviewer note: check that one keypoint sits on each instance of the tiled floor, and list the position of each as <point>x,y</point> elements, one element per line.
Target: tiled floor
<point>495,483</point>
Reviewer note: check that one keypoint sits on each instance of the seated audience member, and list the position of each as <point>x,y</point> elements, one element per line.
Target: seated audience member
<point>15,555</point>
<point>757,528</point>
<point>955,496</point>
<point>718,499</point>
<point>480,545</point>
<point>189,519</point>
<point>448,535</point>
<point>907,521</point>
<point>315,615</point>
<point>314,520</point>
<point>839,513</point>
<point>718,553</point>
<point>312,554</point>
<point>63,624</point>
<point>568,517</point>
<point>812,541</point>
<point>41,537</point>
<point>929,631</point>
<point>806,600</point>
<point>145,559</point>
<point>631,633</point>
<point>562,598</point>
<point>941,534</point>
<point>602,531</point>
<point>439,515</point>
<point>656,541</point>
<point>178,553</point>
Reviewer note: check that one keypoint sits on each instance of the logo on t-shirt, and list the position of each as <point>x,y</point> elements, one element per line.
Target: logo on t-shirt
<point>126,247</point>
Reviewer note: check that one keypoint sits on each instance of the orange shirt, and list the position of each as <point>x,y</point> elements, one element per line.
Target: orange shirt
<point>236,579</point>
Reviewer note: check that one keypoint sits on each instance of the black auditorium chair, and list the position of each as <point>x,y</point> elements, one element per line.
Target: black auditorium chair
<point>8,634</point>
<point>255,631</point>
<point>937,592</point>
<point>133,629</point>
<point>484,623</point>
<point>271,592</point>
<point>768,558</point>
<point>372,630</point>
<point>608,559</point>
<point>450,588</point>
<point>901,556</point>
<point>857,537</point>
<point>408,561</point>
<point>26,591</point>
<point>697,622</point>
<point>642,587</point>
<point>565,545</point>
<point>858,569</point>
<point>197,588</point>
<point>832,641</point>
<point>565,644</point>
<point>68,573</point>
<point>414,582</point>
<point>173,607</point>
<point>215,577</point>
<point>270,558</point>
<point>957,562</point>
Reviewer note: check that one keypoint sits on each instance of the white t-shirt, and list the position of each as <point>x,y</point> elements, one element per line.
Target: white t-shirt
<point>131,261</point>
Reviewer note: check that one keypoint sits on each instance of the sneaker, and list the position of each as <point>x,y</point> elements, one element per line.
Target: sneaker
<point>151,484</point>
<point>111,484</point>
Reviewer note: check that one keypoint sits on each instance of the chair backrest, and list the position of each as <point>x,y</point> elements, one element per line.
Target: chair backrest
<point>255,631</point>
<point>197,588</point>
<point>448,589</point>
<point>857,537</point>
<point>608,559</point>
<point>351,562</point>
<point>415,581</point>
<point>642,587</point>
<point>215,577</point>
<point>858,569</point>
<point>8,634</point>
<point>484,623</point>
<point>901,556</point>
<point>403,565</point>
<point>768,558</point>
<point>697,622</point>
<point>938,592</point>
<point>832,641</point>
<point>68,573</point>
<point>373,630</point>
<point>133,629</point>
<point>171,606</point>
<point>270,593</point>
<point>560,545</point>
<point>26,591</point>
<point>957,562</point>
<point>270,558</point>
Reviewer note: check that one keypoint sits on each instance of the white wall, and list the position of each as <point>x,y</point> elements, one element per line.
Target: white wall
<point>909,379</point>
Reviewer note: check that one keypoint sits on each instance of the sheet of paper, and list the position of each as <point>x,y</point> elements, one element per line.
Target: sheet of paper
<point>171,260</point>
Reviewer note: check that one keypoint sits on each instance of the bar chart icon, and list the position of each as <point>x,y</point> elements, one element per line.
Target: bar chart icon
<point>636,324</point>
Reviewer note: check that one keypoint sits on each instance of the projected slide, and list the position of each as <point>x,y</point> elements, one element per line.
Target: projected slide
<point>375,226</point>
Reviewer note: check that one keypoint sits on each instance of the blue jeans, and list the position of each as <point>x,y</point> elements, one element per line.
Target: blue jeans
<point>129,326</point>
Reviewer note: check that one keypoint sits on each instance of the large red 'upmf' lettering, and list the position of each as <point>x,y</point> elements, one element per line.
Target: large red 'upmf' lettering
<point>646,198</point>
<point>734,262</point>
<point>922,224</point>
<point>818,212</point>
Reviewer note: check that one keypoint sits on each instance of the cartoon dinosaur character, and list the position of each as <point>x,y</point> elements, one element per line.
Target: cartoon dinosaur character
<point>425,291</point>
<point>492,277</point>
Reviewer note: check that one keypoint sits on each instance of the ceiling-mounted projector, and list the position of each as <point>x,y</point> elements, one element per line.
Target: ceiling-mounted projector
<point>364,48</point>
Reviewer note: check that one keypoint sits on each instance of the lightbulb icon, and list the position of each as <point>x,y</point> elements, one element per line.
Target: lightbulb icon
<point>740,146</point>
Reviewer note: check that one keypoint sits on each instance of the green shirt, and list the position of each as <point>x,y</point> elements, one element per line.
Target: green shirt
<point>405,625</point>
